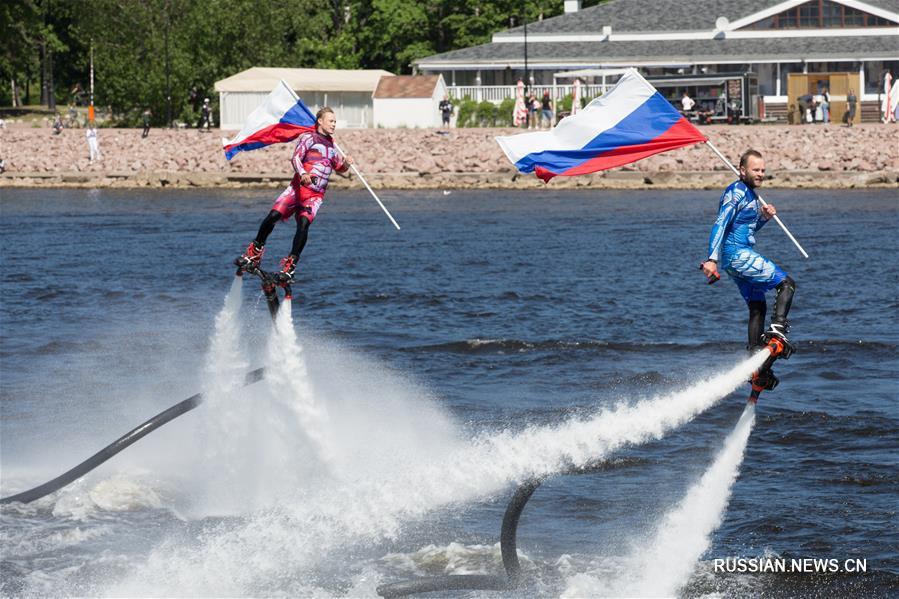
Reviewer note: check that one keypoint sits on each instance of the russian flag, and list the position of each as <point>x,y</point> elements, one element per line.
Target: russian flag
<point>283,117</point>
<point>630,122</point>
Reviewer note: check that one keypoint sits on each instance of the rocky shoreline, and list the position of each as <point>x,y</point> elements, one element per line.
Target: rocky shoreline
<point>822,156</point>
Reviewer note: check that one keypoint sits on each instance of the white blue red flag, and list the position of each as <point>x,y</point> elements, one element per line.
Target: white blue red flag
<point>630,122</point>
<point>282,118</point>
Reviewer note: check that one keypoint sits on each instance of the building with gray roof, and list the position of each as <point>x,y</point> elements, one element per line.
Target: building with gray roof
<point>662,38</point>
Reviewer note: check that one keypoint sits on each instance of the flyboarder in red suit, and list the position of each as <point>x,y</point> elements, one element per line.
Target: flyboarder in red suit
<point>313,161</point>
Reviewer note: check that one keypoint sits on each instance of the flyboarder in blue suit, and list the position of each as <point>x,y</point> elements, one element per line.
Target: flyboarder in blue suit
<point>731,242</point>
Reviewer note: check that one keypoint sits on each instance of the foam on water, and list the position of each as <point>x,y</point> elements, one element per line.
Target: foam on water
<point>661,565</point>
<point>333,451</point>
<point>394,457</point>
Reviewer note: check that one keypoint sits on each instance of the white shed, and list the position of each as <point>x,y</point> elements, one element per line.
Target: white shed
<point>408,101</point>
<point>348,92</point>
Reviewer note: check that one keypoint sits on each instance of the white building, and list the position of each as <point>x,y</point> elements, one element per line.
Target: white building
<point>348,92</point>
<point>408,101</point>
<point>773,39</point>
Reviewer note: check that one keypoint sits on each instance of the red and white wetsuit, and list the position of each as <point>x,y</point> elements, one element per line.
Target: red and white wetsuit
<point>315,154</point>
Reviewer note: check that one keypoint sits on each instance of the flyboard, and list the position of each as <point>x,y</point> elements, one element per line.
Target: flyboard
<point>763,379</point>
<point>270,284</point>
<point>778,347</point>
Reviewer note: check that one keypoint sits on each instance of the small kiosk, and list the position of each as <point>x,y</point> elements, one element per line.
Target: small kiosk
<point>719,97</point>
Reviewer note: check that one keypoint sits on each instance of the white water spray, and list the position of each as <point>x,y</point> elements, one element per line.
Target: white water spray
<point>223,430</point>
<point>288,379</point>
<point>225,365</point>
<point>544,450</point>
<point>664,564</point>
<point>389,482</point>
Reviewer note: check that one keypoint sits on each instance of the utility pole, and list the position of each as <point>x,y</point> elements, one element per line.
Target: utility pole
<point>51,93</point>
<point>90,108</point>
<point>45,98</point>
<point>527,80</point>
<point>168,84</point>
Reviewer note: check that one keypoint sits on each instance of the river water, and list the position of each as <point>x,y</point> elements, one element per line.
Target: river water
<point>420,375</point>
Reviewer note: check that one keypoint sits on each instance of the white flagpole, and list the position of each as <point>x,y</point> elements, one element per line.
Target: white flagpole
<point>355,170</point>
<point>764,203</point>
<point>368,187</point>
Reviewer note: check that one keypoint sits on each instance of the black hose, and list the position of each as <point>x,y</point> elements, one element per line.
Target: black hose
<point>119,444</point>
<point>508,542</point>
<point>508,545</point>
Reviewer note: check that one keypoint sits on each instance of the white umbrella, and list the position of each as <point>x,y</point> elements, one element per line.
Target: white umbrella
<point>888,102</point>
<point>576,97</point>
<point>520,114</point>
<point>894,98</point>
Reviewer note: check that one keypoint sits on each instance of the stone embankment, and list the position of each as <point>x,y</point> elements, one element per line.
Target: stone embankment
<point>797,156</point>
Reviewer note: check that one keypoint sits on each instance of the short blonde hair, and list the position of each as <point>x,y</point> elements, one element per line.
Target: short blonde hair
<point>322,112</point>
<point>744,159</point>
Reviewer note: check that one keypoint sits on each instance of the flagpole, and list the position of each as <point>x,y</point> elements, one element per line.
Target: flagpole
<point>355,170</point>
<point>764,203</point>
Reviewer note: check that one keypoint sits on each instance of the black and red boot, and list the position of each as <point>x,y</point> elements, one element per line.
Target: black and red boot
<point>288,267</point>
<point>252,256</point>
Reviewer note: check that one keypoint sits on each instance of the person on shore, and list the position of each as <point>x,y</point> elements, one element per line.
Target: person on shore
<point>731,242</point>
<point>146,116</point>
<point>314,158</point>
<point>57,124</point>
<point>806,106</point>
<point>687,103</point>
<point>446,110</point>
<point>851,107</point>
<point>93,144</point>
<point>546,105</point>
<point>206,115</point>
<point>532,110</point>
<point>825,106</point>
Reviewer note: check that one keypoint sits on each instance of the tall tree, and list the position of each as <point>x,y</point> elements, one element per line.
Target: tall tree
<point>144,48</point>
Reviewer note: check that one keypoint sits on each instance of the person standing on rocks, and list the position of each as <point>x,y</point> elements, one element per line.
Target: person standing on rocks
<point>313,161</point>
<point>446,111</point>
<point>146,115</point>
<point>731,242</point>
<point>206,115</point>
<point>92,144</point>
<point>851,103</point>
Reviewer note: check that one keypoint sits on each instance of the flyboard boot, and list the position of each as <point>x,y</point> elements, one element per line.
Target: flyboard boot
<point>250,261</point>
<point>251,258</point>
<point>775,341</point>
<point>285,277</point>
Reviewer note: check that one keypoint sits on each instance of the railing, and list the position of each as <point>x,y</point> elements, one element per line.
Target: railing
<point>498,93</point>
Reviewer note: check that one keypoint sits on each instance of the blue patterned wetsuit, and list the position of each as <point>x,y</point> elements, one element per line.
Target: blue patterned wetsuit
<point>731,241</point>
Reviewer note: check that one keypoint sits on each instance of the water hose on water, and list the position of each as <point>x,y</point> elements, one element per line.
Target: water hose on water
<point>269,284</point>
<point>508,548</point>
<point>119,444</point>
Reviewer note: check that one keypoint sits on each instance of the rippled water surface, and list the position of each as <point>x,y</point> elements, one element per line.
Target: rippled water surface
<point>491,314</point>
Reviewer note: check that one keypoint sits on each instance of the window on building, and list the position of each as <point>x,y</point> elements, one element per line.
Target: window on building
<point>874,72</point>
<point>809,14</point>
<point>821,14</point>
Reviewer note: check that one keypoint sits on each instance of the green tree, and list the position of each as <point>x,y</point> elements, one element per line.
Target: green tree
<point>144,48</point>
<point>20,22</point>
